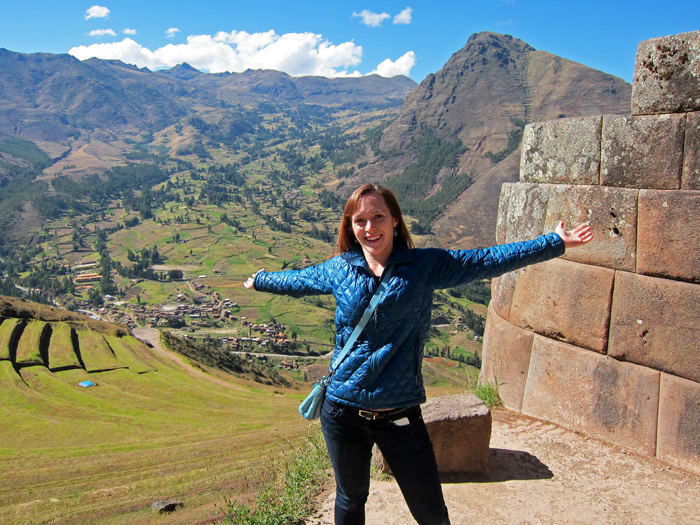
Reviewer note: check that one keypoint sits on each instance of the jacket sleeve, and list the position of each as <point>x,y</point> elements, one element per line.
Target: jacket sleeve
<point>456,267</point>
<point>313,280</point>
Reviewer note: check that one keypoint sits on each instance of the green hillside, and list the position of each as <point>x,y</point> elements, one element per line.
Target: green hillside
<point>148,429</point>
<point>148,425</point>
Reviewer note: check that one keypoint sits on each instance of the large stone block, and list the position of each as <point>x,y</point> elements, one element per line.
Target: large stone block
<point>597,395</point>
<point>502,217</point>
<point>655,323</point>
<point>562,151</point>
<point>611,213</point>
<point>565,301</point>
<point>691,151</point>
<point>642,151</point>
<point>666,73</point>
<point>460,429</point>
<point>521,212</point>
<point>669,244</point>
<point>679,423</point>
<point>502,289</point>
<point>506,359</point>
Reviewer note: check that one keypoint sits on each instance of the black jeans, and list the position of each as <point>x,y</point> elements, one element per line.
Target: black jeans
<point>407,449</point>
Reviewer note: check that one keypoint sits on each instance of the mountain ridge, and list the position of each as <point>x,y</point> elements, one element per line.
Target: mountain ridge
<point>55,103</point>
<point>483,95</point>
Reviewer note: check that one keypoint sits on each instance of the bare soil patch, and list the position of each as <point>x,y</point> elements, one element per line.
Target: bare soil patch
<point>544,474</point>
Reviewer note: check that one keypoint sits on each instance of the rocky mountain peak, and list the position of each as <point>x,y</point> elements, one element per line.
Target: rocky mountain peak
<point>484,95</point>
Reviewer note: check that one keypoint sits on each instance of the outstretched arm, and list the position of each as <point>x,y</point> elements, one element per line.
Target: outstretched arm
<point>576,237</point>
<point>313,280</point>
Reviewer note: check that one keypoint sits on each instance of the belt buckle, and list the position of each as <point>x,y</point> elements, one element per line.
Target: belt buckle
<point>367,414</point>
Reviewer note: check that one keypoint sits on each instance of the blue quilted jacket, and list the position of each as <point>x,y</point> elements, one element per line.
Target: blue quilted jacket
<point>384,368</point>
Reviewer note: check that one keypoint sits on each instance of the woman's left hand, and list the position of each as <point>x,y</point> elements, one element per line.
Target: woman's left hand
<point>251,280</point>
<point>576,237</point>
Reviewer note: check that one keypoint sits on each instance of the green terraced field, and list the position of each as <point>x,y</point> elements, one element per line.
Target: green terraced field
<point>151,427</point>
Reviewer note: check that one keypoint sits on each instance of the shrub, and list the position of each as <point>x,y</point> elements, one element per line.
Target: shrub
<point>488,393</point>
<point>287,489</point>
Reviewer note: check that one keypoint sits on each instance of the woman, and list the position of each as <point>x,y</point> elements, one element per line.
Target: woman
<point>375,393</point>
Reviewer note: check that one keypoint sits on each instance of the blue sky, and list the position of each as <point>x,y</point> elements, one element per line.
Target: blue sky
<point>336,37</point>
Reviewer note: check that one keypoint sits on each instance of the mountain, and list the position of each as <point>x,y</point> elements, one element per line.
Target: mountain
<point>53,97</point>
<point>483,96</point>
<point>453,143</point>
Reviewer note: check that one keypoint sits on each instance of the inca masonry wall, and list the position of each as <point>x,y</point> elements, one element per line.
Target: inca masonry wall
<point>606,339</point>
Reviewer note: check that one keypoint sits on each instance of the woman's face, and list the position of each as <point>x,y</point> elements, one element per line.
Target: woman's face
<point>373,227</point>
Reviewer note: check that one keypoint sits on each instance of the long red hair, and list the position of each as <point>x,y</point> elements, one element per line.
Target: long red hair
<point>346,237</point>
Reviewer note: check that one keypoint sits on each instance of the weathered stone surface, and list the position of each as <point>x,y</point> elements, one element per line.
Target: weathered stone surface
<point>581,390</point>
<point>562,151</point>
<point>656,323</point>
<point>679,423</point>
<point>506,359</point>
<point>565,301</point>
<point>502,289</point>
<point>522,216</point>
<point>460,429</point>
<point>691,151</point>
<point>502,217</point>
<point>666,75</point>
<point>668,242</point>
<point>611,213</point>
<point>642,151</point>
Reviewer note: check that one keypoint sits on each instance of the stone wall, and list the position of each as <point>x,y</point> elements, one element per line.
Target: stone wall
<point>606,339</point>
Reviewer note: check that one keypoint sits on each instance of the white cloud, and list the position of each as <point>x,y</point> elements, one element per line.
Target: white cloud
<point>127,51</point>
<point>402,66</point>
<point>371,19</point>
<point>102,32</point>
<point>404,17</point>
<point>129,31</point>
<point>96,11</point>
<point>172,32</point>
<point>297,54</point>
<point>506,23</point>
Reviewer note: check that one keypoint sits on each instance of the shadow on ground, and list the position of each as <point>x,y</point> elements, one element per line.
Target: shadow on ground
<point>505,465</point>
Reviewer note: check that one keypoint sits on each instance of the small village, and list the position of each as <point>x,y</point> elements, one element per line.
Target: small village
<point>186,318</point>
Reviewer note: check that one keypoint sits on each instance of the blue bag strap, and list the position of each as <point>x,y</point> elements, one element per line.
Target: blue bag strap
<point>378,294</point>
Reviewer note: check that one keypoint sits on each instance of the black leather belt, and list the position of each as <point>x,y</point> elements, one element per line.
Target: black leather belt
<point>381,415</point>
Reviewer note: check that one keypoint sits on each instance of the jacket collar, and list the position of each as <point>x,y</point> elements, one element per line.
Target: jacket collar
<point>400,254</point>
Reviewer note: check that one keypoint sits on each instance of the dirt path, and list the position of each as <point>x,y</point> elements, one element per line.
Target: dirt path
<point>543,474</point>
<point>153,336</point>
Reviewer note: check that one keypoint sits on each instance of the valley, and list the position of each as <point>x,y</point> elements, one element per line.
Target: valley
<point>146,199</point>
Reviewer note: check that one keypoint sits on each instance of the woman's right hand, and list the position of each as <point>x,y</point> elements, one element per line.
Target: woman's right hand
<point>577,237</point>
<point>251,280</point>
